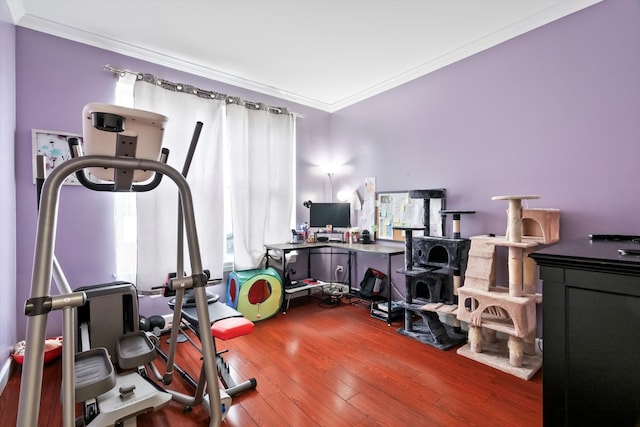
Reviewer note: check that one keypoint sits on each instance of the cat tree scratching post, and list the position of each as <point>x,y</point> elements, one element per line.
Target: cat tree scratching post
<point>456,225</point>
<point>515,263</point>
<point>508,310</point>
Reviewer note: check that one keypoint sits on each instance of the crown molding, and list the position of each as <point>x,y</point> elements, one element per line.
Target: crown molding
<point>559,10</point>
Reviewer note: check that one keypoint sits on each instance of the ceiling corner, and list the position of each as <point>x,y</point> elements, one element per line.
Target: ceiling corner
<point>16,9</point>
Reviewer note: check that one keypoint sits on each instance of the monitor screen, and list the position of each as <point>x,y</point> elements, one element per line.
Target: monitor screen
<point>337,215</point>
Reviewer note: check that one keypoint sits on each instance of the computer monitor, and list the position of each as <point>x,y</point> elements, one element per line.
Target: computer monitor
<point>338,215</point>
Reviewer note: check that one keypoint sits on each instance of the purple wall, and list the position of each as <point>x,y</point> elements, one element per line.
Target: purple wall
<point>552,112</point>
<point>53,84</point>
<point>7,178</point>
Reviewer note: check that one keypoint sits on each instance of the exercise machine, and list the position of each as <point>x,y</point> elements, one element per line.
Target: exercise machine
<point>108,320</point>
<point>122,153</point>
<point>223,323</point>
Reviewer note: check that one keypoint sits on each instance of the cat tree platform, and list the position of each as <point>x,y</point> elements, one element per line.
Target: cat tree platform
<point>496,355</point>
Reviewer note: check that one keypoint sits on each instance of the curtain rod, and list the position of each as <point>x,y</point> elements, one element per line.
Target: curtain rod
<point>203,93</point>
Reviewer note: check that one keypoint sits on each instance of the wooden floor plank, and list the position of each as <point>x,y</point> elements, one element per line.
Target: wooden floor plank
<point>318,366</point>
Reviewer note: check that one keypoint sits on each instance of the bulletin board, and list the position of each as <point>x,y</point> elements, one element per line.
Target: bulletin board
<point>54,146</point>
<point>396,209</point>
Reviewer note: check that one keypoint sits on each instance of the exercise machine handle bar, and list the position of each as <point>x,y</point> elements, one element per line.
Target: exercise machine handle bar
<point>76,151</point>
<point>67,301</point>
<point>179,283</point>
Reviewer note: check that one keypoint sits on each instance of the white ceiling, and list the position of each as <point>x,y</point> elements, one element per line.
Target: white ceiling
<point>326,54</point>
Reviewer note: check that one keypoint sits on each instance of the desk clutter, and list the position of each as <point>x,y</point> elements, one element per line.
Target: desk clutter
<point>330,233</point>
<point>331,293</point>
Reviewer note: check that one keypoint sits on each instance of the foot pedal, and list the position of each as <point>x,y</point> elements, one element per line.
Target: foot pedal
<point>94,374</point>
<point>134,349</point>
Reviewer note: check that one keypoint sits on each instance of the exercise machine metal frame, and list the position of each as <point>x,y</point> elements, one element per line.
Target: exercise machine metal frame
<point>41,302</point>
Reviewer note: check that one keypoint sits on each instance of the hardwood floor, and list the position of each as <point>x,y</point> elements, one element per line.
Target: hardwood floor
<point>319,366</point>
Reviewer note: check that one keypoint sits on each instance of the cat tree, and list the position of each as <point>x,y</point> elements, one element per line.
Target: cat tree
<point>433,268</point>
<point>510,310</point>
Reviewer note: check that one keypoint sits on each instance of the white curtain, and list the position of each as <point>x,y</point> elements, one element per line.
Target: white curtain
<point>261,150</point>
<point>157,210</point>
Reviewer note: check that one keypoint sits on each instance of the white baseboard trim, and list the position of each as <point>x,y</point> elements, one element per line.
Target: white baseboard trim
<point>5,373</point>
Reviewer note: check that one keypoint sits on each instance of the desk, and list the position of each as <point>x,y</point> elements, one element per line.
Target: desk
<point>386,251</point>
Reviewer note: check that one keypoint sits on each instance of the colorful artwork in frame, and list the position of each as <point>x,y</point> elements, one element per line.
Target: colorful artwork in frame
<point>54,146</point>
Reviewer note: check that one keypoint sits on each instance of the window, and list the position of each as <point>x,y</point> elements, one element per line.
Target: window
<point>273,130</point>
<point>125,215</point>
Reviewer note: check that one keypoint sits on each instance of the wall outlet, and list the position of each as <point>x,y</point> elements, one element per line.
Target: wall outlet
<point>339,268</point>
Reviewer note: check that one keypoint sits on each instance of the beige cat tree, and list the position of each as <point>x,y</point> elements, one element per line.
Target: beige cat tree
<point>489,309</point>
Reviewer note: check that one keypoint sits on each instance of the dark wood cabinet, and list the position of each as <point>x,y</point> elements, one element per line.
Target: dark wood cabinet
<point>591,333</point>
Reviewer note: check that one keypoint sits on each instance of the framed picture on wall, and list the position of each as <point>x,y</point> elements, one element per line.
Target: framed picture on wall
<point>54,146</point>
